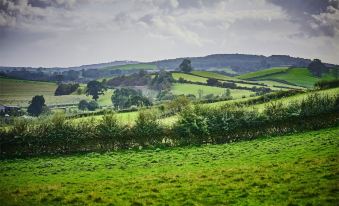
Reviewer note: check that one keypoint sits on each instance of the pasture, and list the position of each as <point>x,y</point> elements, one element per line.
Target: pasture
<point>299,169</point>
<point>296,76</point>
<point>179,88</point>
<point>19,92</point>
<point>263,72</point>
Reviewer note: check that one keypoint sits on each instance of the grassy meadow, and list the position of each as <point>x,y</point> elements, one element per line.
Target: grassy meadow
<point>299,169</point>
<point>179,88</point>
<point>19,92</point>
<point>263,72</point>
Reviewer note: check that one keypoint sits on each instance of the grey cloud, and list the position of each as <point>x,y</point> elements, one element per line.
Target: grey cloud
<point>13,10</point>
<point>315,17</point>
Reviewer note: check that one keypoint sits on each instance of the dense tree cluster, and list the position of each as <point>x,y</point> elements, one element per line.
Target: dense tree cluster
<point>186,66</point>
<point>94,89</point>
<point>138,79</point>
<point>85,105</point>
<point>126,97</point>
<point>65,89</point>
<point>317,68</point>
<point>36,106</point>
<point>162,81</point>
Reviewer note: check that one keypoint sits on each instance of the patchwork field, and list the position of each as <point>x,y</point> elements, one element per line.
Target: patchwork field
<point>297,76</point>
<point>298,169</point>
<point>19,92</point>
<point>263,72</point>
<point>194,89</point>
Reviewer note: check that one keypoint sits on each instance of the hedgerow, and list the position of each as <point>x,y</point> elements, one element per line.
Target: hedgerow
<point>196,125</point>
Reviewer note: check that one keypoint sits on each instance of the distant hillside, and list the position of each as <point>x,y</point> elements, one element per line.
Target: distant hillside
<point>241,63</point>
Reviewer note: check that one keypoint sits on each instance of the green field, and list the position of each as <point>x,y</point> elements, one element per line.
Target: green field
<point>20,92</point>
<point>300,169</point>
<point>214,75</point>
<point>188,77</point>
<point>179,89</point>
<point>263,72</point>
<point>297,76</point>
<point>133,66</point>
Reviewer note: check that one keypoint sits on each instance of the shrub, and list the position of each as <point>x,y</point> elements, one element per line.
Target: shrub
<point>147,130</point>
<point>92,105</point>
<point>110,131</point>
<point>83,104</point>
<point>65,89</point>
<point>192,126</point>
<point>326,84</point>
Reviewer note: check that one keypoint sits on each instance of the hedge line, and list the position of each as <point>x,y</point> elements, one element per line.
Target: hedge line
<point>196,125</point>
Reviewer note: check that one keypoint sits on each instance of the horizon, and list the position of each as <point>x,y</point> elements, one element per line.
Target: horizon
<point>38,33</point>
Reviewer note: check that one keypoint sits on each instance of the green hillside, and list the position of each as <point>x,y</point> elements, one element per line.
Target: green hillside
<point>133,66</point>
<point>297,76</point>
<point>19,92</point>
<point>299,169</point>
<point>263,72</point>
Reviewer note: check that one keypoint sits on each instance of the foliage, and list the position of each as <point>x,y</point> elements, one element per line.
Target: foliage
<point>91,105</point>
<point>65,89</point>
<point>317,68</point>
<point>178,104</point>
<point>147,130</point>
<point>137,79</point>
<point>36,105</point>
<point>162,81</point>
<point>83,105</point>
<point>127,97</point>
<point>186,66</point>
<point>95,88</point>
<point>326,84</point>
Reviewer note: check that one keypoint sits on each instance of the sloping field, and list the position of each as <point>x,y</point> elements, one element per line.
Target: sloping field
<point>299,169</point>
<point>214,75</point>
<point>20,92</point>
<point>263,72</point>
<point>297,76</point>
<point>188,77</point>
<point>178,89</point>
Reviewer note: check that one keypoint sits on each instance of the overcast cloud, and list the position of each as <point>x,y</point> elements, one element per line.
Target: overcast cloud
<point>75,32</point>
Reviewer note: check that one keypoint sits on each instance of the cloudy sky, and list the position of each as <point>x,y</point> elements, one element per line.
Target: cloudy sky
<point>76,32</point>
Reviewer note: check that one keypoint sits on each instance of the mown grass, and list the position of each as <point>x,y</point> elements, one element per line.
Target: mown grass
<point>300,169</point>
<point>263,72</point>
<point>297,76</point>
<point>179,88</point>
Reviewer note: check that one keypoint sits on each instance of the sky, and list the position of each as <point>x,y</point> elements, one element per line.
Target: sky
<point>64,33</point>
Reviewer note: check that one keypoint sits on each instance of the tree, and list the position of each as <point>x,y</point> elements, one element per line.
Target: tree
<point>335,72</point>
<point>186,66</point>
<point>317,68</point>
<point>83,104</point>
<point>126,97</point>
<point>162,81</point>
<point>36,106</point>
<point>213,82</point>
<point>92,105</point>
<point>95,88</point>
